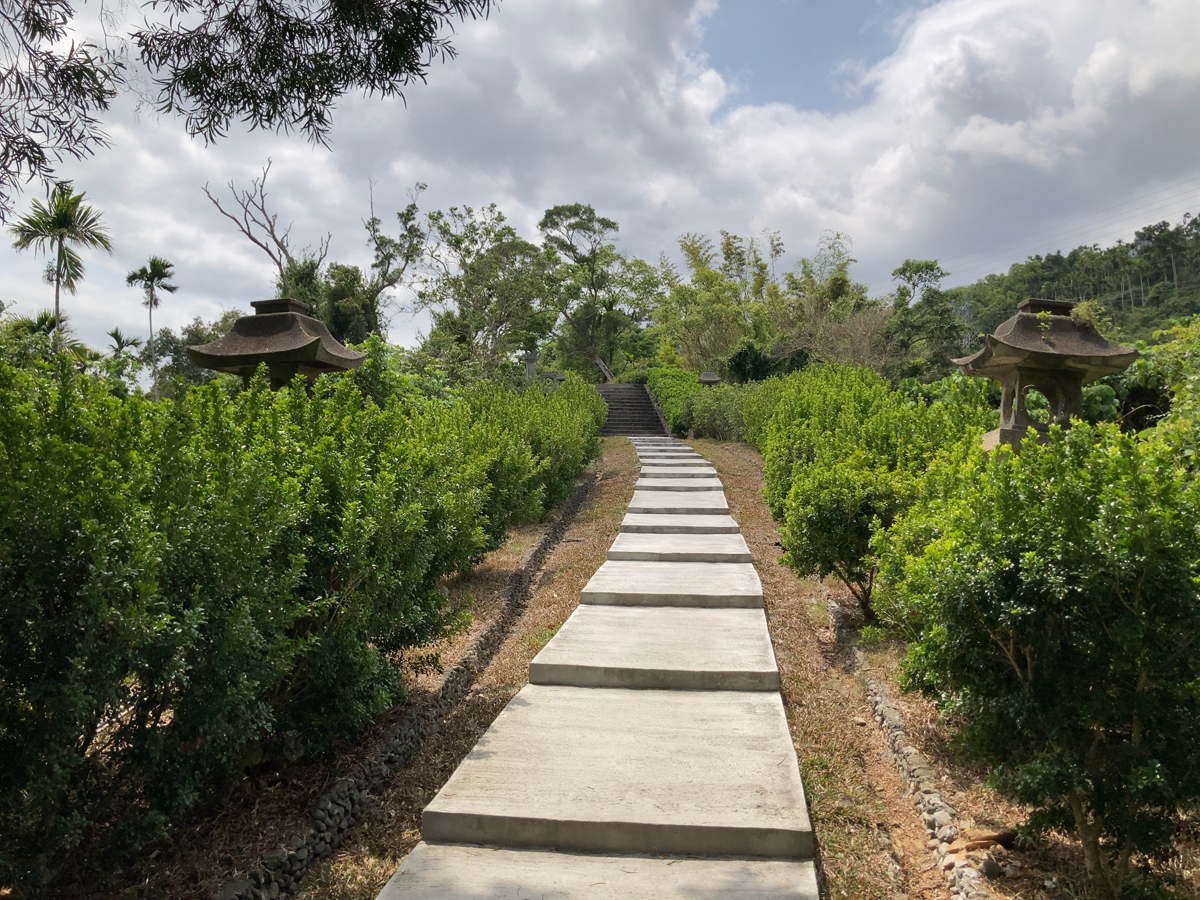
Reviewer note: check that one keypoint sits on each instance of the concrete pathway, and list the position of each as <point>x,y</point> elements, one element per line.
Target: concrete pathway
<point>649,756</point>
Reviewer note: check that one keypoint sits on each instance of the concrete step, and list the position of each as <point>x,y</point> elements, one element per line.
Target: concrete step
<point>676,462</point>
<point>678,472</point>
<point>620,582</point>
<point>669,454</point>
<point>657,523</point>
<point>722,548</point>
<point>707,773</point>
<point>466,872</point>
<point>679,503</point>
<point>655,483</point>
<point>669,648</point>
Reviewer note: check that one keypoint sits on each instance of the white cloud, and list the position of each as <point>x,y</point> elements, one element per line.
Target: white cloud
<point>993,118</point>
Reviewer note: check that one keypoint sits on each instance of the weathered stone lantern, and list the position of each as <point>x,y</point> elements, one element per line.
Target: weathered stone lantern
<point>283,334</point>
<point>1042,348</point>
<point>708,378</point>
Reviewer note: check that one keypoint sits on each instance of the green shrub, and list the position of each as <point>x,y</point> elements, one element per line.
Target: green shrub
<point>758,407</point>
<point>716,411</point>
<point>671,388</point>
<point>1055,599</point>
<point>189,579</point>
<point>844,453</point>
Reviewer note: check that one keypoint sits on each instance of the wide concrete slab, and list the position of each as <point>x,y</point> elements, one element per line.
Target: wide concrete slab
<point>722,548</point>
<point>699,461</point>
<point>712,503</point>
<point>653,471</point>
<point>620,582</point>
<point>654,483</point>
<point>669,648</point>
<point>710,773</point>
<point>656,523</point>
<point>668,454</point>
<point>466,872</point>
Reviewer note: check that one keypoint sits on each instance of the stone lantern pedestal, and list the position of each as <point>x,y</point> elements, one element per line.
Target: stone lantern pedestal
<point>1042,348</point>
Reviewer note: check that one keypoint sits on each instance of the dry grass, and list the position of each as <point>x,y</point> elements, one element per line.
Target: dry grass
<point>869,839</point>
<point>392,826</point>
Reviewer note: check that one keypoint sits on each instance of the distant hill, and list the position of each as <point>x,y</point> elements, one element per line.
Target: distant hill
<point>1140,285</point>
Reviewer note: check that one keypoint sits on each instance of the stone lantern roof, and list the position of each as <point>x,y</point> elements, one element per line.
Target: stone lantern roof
<point>1055,341</point>
<point>283,334</point>
<point>1042,348</point>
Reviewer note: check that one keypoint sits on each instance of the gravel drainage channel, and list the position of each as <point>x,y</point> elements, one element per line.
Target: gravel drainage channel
<point>966,857</point>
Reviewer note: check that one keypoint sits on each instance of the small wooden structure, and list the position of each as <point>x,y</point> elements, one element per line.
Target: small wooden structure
<point>283,334</point>
<point>1042,348</point>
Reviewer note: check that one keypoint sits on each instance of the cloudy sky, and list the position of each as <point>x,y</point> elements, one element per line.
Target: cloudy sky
<point>975,132</point>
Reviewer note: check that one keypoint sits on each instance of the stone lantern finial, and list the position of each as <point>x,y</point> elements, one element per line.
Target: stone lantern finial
<point>1045,349</point>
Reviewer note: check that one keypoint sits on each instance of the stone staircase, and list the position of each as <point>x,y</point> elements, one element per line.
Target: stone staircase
<point>649,756</point>
<point>631,412</point>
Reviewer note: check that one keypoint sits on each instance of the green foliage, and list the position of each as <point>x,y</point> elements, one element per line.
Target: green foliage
<point>1052,598</point>
<point>176,371</point>
<point>188,579</point>
<point>716,411</point>
<point>843,456</point>
<point>671,388</point>
<point>489,290</point>
<point>1137,286</point>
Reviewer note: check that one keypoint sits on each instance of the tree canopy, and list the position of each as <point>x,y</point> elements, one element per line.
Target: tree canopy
<point>278,64</point>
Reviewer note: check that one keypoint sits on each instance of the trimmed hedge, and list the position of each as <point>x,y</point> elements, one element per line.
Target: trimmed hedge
<point>843,453</point>
<point>1052,600</point>
<point>671,388</point>
<point>190,584</point>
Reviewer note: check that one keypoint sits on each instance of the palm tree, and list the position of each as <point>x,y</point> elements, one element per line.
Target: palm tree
<point>122,342</point>
<point>51,228</point>
<point>153,277</point>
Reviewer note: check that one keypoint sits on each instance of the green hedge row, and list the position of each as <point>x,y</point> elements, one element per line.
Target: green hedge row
<point>1050,599</point>
<point>671,388</point>
<point>713,411</point>
<point>191,583</point>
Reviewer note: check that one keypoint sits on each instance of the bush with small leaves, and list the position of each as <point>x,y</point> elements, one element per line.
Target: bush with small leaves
<point>1052,600</point>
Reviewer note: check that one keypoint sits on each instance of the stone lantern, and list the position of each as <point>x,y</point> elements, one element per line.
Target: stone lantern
<point>708,378</point>
<point>283,334</point>
<point>1044,349</point>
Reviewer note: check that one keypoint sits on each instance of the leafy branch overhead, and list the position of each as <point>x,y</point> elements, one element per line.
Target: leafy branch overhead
<point>274,64</point>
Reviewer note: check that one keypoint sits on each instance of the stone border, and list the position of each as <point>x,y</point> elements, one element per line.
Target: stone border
<point>963,870</point>
<point>661,418</point>
<point>338,810</point>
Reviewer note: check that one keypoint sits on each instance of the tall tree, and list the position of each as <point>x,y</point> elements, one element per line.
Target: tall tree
<point>587,298</point>
<point>487,288</point>
<point>153,277</point>
<point>55,228</point>
<point>278,64</point>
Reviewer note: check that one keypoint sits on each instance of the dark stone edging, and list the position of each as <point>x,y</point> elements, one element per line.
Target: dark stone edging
<point>337,810</point>
<point>658,411</point>
<point>961,872</point>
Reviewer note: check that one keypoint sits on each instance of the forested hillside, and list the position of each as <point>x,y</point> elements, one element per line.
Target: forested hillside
<point>1140,284</point>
